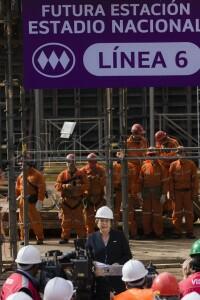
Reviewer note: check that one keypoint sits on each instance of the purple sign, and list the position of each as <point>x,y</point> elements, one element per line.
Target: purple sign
<point>98,44</point>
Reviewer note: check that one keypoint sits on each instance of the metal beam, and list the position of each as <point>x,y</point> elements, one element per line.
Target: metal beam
<point>151,115</point>
<point>108,135</point>
<point>10,135</point>
<point>124,163</point>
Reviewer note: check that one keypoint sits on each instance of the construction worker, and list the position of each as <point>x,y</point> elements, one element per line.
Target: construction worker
<point>132,192</point>
<point>152,187</point>
<point>135,143</point>
<point>19,296</point>
<point>36,188</point>
<point>95,194</point>
<point>166,287</point>
<point>107,246</point>
<point>192,282</point>
<point>72,184</point>
<point>183,189</point>
<point>164,143</point>
<point>59,289</point>
<point>134,275</point>
<point>24,279</point>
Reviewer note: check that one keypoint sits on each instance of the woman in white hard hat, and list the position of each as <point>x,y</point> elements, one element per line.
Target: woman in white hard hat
<point>24,279</point>
<point>110,247</point>
<point>58,288</point>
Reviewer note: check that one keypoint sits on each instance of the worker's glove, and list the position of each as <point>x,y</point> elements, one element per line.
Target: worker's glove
<point>139,196</point>
<point>18,198</point>
<point>171,196</point>
<point>38,205</point>
<point>67,186</point>
<point>163,199</point>
<point>195,197</point>
<point>112,296</point>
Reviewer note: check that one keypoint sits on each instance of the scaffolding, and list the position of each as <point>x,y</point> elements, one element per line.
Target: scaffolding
<point>47,130</point>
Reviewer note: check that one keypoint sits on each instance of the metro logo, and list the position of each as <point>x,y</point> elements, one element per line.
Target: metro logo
<point>53,60</point>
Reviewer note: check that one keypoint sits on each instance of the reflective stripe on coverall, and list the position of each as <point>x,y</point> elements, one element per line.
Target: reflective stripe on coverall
<point>183,188</point>
<point>136,294</point>
<point>71,213</point>
<point>170,143</point>
<point>96,182</point>
<point>36,179</point>
<point>136,144</point>
<point>153,182</point>
<point>132,191</point>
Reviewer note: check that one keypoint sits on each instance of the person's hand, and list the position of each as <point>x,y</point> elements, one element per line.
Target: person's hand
<point>139,196</point>
<point>99,272</point>
<point>171,196</point>
<point>112,295</point>
<point>38,205</point>
<point>18,198</point>
<point>163,199</point>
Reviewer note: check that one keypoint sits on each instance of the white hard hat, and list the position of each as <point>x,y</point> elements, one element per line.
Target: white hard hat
<point>28,255</point>
<point>191,296</point>
<point>59,289</point>
<point>133,270</point>
<point>19,296</point>
<point>104,212</point>
<point>70,157</point>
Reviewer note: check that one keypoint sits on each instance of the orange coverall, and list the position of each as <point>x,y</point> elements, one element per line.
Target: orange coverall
<point>135,294</point>
<point>132,191</point>
<point>35,178</point>
<point>169,143</point>
<point>72,188</point>
<point>183,188</point>
<point>136,144</point>
<point>95,194</point>
<point>153,182</point>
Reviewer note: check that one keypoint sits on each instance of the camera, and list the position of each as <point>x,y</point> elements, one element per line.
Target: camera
<point>152,273</point>
<point>75,266</point>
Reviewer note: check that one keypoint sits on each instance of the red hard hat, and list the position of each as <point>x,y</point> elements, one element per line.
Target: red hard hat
<point>70,157</point>
<point>151,151</point>
<point>166,284</point>
<point>160,135</point>
<point>92,156</point>
<point>137,129</point>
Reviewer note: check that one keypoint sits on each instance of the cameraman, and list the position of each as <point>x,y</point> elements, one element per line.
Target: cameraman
<point>58,288</point>
<point>28,262</point>
<point>134,275</point>
<point>110,247</point>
